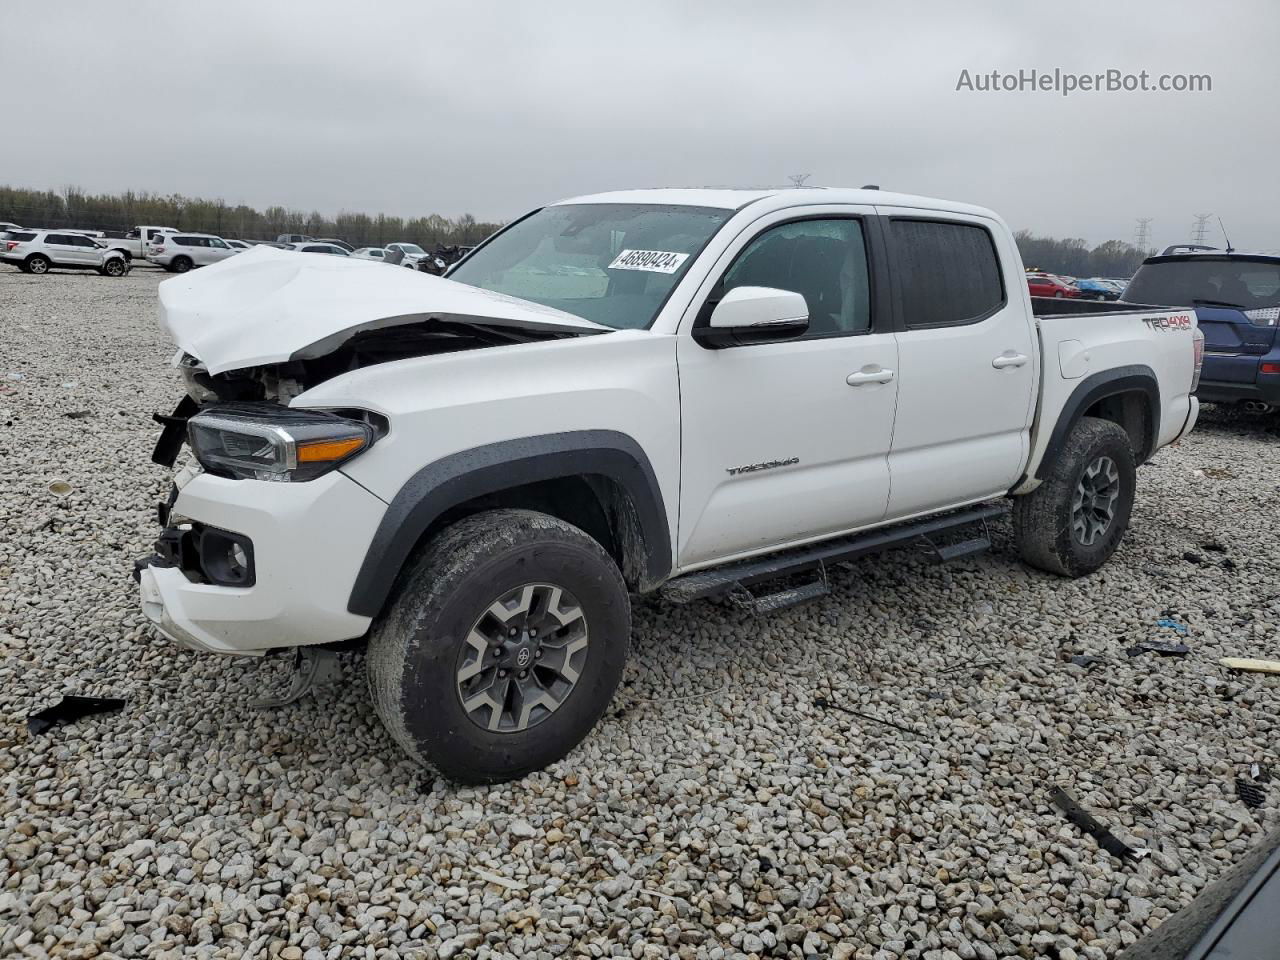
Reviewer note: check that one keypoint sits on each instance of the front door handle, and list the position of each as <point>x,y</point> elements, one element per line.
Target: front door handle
<point>876,375</point>
<point>1009,359</point>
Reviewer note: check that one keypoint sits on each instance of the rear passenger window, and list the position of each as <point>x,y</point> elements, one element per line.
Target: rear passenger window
<point>58,238</point>
<point>947,273</point>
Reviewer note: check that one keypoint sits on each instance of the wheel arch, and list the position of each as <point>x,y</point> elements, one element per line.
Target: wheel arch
<point>599,480</point>
<point>1128,396</point>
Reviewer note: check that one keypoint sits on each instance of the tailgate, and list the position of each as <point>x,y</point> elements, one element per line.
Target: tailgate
<point>1232,345</point>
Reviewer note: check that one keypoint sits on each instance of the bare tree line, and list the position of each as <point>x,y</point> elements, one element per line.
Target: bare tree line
<point>1074,258</point>
<point>72,207</point>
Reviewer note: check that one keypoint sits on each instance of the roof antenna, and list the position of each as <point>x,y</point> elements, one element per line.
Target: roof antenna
<point>1230,249</point>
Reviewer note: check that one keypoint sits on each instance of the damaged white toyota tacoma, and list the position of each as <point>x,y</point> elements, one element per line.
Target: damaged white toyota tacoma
<point>705,393</point>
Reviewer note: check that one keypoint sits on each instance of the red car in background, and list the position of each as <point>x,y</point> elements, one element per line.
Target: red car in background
<point>1046,285</point>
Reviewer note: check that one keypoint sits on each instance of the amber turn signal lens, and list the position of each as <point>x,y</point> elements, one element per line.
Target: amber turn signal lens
<point>326,451</point>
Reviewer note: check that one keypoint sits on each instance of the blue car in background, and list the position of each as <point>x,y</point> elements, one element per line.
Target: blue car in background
<point>1096,288</point>
<point>1236,297</point>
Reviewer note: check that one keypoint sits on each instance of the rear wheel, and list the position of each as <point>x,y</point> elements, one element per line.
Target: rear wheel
<point>180,264</point>
<point>37,263</point>
<point>502,648</point>
<point>1073,522</point>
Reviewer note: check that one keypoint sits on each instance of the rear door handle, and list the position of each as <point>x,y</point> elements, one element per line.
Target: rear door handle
<point>878,375</point>
<point>1009,360</point>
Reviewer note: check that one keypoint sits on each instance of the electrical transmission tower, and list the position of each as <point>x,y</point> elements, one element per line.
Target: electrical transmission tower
<point>1142,235</point>
<point>798,179</point>
<point>1201,231</point>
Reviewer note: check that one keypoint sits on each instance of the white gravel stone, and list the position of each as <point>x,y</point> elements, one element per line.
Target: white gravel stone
<point>715,812</point>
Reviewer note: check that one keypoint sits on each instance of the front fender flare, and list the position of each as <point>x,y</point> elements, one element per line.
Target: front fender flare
<point>495,467</point>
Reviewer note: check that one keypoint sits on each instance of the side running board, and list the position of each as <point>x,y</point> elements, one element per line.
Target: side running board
<point>736,578</point>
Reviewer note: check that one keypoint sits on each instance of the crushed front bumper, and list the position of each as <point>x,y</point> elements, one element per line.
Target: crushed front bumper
<point>307,542</point>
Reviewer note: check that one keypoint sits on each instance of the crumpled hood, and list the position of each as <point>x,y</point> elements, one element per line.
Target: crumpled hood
<point>269,306</point>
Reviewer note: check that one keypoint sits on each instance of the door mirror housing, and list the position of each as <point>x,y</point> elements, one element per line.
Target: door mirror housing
<point>747,315</point>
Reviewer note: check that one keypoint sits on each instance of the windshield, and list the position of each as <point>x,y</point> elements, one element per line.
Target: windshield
<point>612,263</point>
<point>410,248</point>
<point>1236,282</point>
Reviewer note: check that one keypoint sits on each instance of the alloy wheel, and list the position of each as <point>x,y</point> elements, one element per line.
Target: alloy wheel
<point>522,658</point>
<point>1094,505</point>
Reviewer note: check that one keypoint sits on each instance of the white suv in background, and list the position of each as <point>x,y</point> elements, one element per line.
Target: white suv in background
<point>38,251</point>
<point>179,252</point>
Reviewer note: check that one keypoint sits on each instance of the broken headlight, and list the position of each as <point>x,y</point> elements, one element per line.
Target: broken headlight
<point>248,441</point>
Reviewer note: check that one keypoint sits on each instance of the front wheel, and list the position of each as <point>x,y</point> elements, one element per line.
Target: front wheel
<point>503,647</point>
<point>1073,522</point>
<point>113,268</point>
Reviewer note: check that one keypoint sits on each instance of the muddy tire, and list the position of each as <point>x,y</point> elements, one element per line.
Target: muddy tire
<point>501,646</point>
<point>180,264</point>
<point>1073,522</point>
<point>37,263</point>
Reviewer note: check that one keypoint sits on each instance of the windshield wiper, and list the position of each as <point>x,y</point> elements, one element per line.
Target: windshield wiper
<point>1218,303</point>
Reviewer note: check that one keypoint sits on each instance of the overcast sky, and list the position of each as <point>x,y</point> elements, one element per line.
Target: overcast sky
<point>493,108</point>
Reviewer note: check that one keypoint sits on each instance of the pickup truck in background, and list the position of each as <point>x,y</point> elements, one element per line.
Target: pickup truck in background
<point>1237,299</point>
<point>698,393</point>
<point>138,242</point>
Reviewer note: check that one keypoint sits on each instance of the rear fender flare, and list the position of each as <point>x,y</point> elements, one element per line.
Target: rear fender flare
<point>1106,383</point>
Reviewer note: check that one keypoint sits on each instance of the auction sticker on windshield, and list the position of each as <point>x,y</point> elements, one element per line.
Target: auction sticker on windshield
<point>655,261</point>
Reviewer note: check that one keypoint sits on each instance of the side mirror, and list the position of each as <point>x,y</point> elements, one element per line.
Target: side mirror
<point>748,315</point>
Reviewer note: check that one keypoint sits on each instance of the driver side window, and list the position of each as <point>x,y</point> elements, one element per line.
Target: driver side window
<point>825,261</point>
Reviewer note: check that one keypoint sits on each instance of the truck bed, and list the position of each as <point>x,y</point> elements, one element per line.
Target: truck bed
<point>1057,307</point>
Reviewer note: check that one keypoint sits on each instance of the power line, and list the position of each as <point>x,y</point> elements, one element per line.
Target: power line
<point>1201,231</point>
<point>1142,235</point>
<point>798,179</point>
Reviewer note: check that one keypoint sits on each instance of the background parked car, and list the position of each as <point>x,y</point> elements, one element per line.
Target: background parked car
<point>410,253</point>
<point>1096,288</point>
<point>432,263</point>
<point>371,253</point>
<point>38,251</point>
<point>317,247</point>
<point>1236,298</point>
<point>238,245</point>
<point>337,243</point>
<point>1047,285</point>
<point>179,252</point>
<point>136,243</point>
<point>293,238</point>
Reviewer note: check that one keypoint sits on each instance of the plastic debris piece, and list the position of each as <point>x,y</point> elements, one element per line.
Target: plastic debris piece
<point>60,488</point>
<point>1166,648</point>
<point>1182,628</point>
<point>1251,666</point>
<point>1191,557</point>
<point>1252,795</point>
<point>70,709</point>
<point>1085,659</point>
<point>1087,822</point>
<point>78,414</point>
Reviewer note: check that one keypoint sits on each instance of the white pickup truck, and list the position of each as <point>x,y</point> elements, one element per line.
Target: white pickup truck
<point>697,392</point>
<point>138,242</point>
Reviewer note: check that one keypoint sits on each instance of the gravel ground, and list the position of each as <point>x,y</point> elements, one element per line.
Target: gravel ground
<point>715,812</point>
